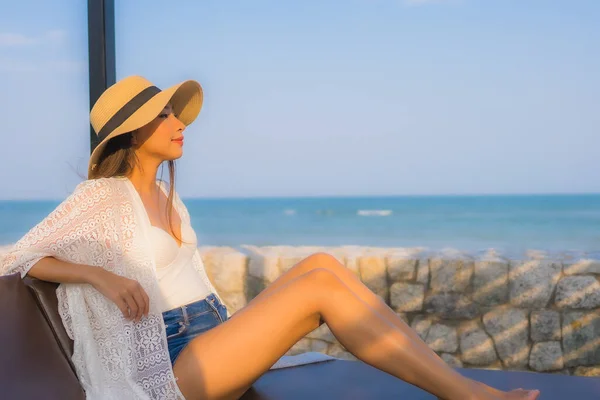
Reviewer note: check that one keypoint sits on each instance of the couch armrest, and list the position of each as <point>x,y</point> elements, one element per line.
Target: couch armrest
<point>45,295</point>
<point>32,363</point>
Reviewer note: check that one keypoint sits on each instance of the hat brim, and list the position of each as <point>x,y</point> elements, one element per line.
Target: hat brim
<point>186,99</point>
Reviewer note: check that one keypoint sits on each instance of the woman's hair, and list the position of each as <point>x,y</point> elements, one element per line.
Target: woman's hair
<point>118,159</point>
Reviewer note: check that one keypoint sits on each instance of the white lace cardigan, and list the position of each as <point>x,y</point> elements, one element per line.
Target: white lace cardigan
<point>98,225</point>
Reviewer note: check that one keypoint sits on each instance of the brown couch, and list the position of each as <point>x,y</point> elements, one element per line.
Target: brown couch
<point>35,363</point>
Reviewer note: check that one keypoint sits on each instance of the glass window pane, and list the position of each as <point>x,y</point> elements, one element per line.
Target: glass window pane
<point>379,99</point>
<point>44,108</point>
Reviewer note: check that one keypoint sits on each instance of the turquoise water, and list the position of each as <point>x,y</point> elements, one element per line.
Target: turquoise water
<point>510,224</point>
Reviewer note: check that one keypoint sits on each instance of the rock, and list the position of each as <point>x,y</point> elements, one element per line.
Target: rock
<point>206,254</point>
<point>5,248</point>
<point>407,296</point>
<point>351,260</point>
<point>532,282</point>
<point>401,267</point>
<point>402,263</point>
<point>546,356</point>
<point>496,366</point>
<point>229,268</point>
<point>469,326</point>
<point>403,316</point>
<point>584,266</point>
<point>442,338</point>
<point>509,328</point>
<point>287,260</point>
<point>545,325</point>
<point>423,271</point>
<point>338,252</point>
<point>451,360</point>
<point>290,256</point>
<point>450,305</point>
<point>263,264</point>
<point>581,331</point>
<point>319,346</point>
<point>301,346</point>
<point>337,350</point>
<point>476,347</point>
<point>450,274</point>
<point>564,371</point>
<point>490,281</point>
<point>254,286</point>
<point>323,333</point>
<point>587,371</point>
<point>421,324</point>
<point>373,274</point>
<point>233,301</point>
<point>578,292</point>
<point>352,263</point>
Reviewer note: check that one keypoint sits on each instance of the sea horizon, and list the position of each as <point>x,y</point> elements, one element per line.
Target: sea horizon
<point>508,223</point>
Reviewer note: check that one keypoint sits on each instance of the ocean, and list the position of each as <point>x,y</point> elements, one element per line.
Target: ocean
<point>510,224</point>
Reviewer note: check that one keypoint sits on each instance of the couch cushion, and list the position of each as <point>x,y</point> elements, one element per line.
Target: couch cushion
<point>45,295</point>
<point>341,379</point>
<point>32,363</point>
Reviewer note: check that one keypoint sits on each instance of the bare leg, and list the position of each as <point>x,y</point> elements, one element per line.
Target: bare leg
<point>223,362</point>
<point>329,262</point>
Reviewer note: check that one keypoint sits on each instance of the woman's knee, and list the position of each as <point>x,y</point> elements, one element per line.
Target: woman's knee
<point>322,279</point>
<point>324,259</point>
<point>323,286</point>
<point>321,260</point>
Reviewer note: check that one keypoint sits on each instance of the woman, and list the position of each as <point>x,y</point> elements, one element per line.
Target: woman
<point>134,296</point>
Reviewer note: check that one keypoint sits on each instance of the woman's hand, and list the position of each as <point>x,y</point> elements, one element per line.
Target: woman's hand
<point>127,294</point>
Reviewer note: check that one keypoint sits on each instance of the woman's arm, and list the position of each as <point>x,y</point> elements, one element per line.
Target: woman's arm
<point>52,270</point>
<point>62,232</point>
<point>52,250</point>
<point>127,294</point>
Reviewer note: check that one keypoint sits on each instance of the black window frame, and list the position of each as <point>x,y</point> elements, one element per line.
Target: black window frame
<point>101,51</point>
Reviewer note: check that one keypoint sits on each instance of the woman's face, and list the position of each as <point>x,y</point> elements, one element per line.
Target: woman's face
<point>162,138</point>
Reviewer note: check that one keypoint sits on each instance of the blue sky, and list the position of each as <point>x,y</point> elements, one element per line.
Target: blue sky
<point>357,97</point>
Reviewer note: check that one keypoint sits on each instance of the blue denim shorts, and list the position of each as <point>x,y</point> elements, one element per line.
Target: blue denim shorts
<point>186,322</point>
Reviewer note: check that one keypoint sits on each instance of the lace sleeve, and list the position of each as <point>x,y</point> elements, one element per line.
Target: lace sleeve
<point>59,233</point>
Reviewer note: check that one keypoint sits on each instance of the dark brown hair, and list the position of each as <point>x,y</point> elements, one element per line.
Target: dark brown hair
<point>118,159</point>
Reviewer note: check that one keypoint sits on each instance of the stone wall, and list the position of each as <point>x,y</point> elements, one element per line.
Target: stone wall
<point>533,313</point>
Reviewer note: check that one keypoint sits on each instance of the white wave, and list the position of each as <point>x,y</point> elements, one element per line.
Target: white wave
<point>376,213</point>
<point>289,211</point>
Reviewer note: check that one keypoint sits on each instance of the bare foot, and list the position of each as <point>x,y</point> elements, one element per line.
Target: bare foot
<point>481,391</point>
<point>516,394</point>
<point>521,394</point>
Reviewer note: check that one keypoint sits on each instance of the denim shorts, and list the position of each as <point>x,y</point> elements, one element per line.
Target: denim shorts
<point>186,322</point>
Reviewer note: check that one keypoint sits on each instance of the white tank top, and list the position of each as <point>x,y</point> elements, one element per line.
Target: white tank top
<point>178,280</point>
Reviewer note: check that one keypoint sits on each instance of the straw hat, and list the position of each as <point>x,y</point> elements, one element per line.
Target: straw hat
<point>134,102</point>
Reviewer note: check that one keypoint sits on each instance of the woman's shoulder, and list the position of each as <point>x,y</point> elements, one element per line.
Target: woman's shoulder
<point>105,187</point>
<point>95,182</point>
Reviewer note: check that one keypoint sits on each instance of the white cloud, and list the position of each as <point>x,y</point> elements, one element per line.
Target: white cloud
<point>15,39</point>
<point>9,39</point>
